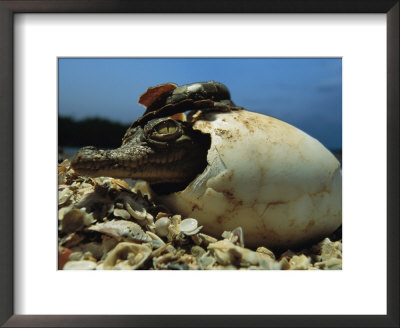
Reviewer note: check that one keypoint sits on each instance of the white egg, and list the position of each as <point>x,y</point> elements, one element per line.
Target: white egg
<point>279,184</point>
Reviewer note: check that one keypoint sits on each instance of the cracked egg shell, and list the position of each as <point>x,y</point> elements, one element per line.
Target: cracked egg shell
<point>279,184</point>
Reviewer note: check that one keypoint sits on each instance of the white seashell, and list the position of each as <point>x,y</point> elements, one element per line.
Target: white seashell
<point>64,196</point>
<point>280,185</point>
<point>119,212</point>
<point>142,187</point>
<point>188,225</point>
<point>154,237</point>
<point>137,211</point>
<point>235,236</point>
<point>99,266</point>
<point>193,232</point>
<point>127,256</point>
<point>121,229</point>
<point>88,219</point>
<point>227,253</point>
<point>80,265</point>
<point>161,226</point>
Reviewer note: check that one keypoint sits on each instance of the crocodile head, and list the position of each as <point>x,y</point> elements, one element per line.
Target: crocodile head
<point>156,148</point>
<point>164,151</point>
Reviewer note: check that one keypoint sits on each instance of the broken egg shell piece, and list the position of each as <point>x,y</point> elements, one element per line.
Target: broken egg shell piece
<point>280,185</point>
<point>153,93</point>
<point>127,256</point>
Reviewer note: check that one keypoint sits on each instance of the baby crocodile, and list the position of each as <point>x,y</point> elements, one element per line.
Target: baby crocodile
<point>157,148</point>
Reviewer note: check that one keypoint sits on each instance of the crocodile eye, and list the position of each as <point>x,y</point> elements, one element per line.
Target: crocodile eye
<point>166,130</point>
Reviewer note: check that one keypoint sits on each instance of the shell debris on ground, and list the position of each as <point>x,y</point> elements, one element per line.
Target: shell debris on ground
<point>106,223</point>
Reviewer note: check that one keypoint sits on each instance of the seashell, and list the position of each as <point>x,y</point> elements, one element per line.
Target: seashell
<point>171,249</point>
<point>279,184</point>
<point>99,266</point>
<point>225,267</point>
<point>119,212</point>
<point>188,225</point>
<point>173,228</point>
<point>88,256</point>
<point>127,256</point>
<point>143,188</point>
<point>227,253</point>
<point>97,250</point>
<point>266,251</point>
<point>72,220</point>
<point>118,205</point>
<point>328,249</point>
<point>203,239</point>
<point>76,256</point>
<point>121,185</point>
<point>154,237</point>
<point>71,240</point>
<point>137,211</point>
<point>121,229</point>
<point>80,265</point>
<point>176,220</point>
<point>62,171</point>
<point>161,226</point>
<point>269,264</point>
<point>88,219</point>
<point>64,196</point>
<point>166,261</point>
<point>193,232</point>
<point>235,236</point>
<point>197,251</point>
<point>330,264</point>
<point>300,262</point>
<point>206,262</point>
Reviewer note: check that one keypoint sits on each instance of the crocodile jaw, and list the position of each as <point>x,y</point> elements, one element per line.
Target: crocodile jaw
<point>139,162</point>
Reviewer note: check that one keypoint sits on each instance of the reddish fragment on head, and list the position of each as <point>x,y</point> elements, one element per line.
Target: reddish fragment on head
<point>153,93</point>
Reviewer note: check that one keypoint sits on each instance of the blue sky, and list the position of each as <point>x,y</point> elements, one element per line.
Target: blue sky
<point>305,92</point>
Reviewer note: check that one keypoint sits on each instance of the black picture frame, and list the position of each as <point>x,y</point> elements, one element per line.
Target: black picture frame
<point>10,7</point>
